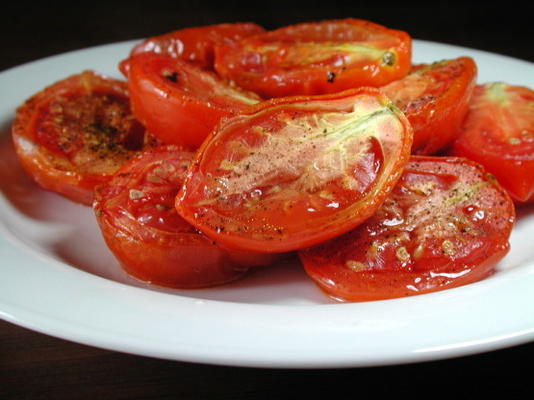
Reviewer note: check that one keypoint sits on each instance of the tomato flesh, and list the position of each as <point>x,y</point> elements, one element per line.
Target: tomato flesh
<point>499,133</point>
<point>297,170</point>
<point>316,58</point>
<point>136,214</point>
<point>180,103</point>
<point>446,223</point>
<point>76,133</point>
<point>435,99</point>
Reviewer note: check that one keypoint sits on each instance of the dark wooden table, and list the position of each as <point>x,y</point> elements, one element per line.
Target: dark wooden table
<point>37,366</point>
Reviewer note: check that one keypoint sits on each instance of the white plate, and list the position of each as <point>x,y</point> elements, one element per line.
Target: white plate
<point>57,276</point>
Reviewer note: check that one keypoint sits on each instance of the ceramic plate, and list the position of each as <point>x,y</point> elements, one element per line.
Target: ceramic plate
<point>58,277</point>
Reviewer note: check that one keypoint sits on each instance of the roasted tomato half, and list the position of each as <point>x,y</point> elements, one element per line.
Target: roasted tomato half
<point>435,99</point>
<point>180,103</point>
<point>296,170</point>
<point>499,133</point>
<point>316,58</point>
<point>196,44</point>
<point>135,211</point>
<point>446,224</point>
<point>76,133</point>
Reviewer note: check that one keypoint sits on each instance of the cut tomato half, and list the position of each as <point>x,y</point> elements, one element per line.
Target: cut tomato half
<point>499,133</point>
<point>136,214</point>
<point>316,58</point>
<point>447,223</point>
<point>74,134</point>
<point>297,170</point>
<point>435,99</point>
<point>180,103</point>
<point>196,44</point>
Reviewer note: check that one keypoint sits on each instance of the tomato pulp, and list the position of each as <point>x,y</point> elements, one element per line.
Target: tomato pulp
<point>74,134</point>
<point>316,58</point>
<point>446,224</point>
<point>296,170</point>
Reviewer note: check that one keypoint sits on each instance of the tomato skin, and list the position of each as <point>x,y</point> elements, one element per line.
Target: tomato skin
<point>75,133</point>
<point>196,44</point>
<point>285,175</point>
<point>435,99</point>
<point>136,214</point>
<point>498,133</point>
<point>303,59</point>
<point>446,224</point>
<point>180,103</point>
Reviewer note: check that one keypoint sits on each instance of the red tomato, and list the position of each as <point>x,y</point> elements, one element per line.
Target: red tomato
<point>196,44</point>
<point>316,58</point>
<point>296,170</point>
<point>435,99</point>
<point>499,133</point>
<point>178,102</point>
<point>446,224</point>
<point>76,133</point>
<point>136,214</point>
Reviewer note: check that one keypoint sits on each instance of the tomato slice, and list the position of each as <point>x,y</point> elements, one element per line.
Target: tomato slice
<point>178,102</point>
<point>136,214</point>
<point>195,44</point>
<point>446,224</point>
<point>316,58</point>
<point>435,99</point>
<point>499,133</point>
<point>296,170</point>
<point>76,133</point>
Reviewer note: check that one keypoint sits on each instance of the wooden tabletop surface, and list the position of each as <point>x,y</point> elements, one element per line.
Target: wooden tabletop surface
<point>38,366</point>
